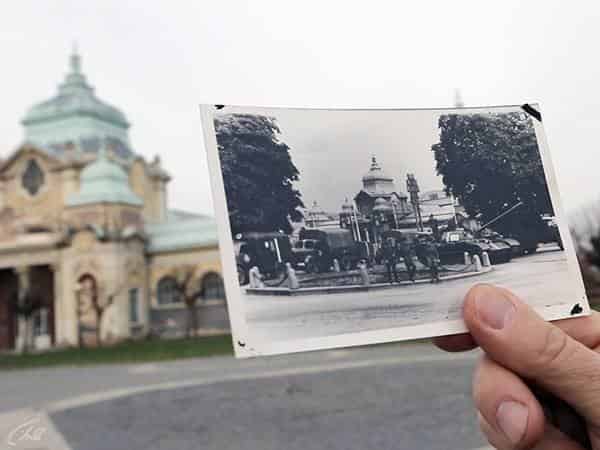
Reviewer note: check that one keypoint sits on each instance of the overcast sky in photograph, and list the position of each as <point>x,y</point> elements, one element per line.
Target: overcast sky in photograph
<point>158,61</point>
<point>333,149</point>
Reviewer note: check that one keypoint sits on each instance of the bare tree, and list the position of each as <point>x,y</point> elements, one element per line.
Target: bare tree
<point>25,304</point>
<point>190,291</point>
<point>99,304</point>
<point>100,307</point>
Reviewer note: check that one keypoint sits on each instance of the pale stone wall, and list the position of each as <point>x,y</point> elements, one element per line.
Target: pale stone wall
<point>205,260</point>
<point>212,313</point>
<point>117,267</point>
<point>31,210</point>
<point>70,182</point>
<point>151,189</point>
<point>111,216</point>
<point>138,180</point>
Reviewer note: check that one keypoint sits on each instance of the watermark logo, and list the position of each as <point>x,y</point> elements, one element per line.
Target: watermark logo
<point>31,431</point>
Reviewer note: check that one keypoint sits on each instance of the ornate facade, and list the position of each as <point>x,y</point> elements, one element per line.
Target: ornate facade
<point>379,206</point>
<point>87,241</point>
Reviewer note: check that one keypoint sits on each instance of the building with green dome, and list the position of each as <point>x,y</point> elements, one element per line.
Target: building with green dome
<point>90,251</point>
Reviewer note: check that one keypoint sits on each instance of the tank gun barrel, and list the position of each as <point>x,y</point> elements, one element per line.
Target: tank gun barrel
<point>499,216</point>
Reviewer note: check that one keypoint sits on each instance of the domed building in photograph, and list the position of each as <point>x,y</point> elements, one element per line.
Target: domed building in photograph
<point>90,251</point>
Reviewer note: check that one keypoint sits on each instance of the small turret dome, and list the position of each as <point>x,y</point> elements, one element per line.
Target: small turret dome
<point>104,181</point>
<point>375,173</point>
<point>75,114</point>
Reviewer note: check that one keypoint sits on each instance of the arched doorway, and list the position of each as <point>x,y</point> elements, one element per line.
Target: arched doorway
<point>41,288</point>
<point>9,286</point>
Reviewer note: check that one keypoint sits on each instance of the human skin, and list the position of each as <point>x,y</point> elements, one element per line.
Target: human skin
<point>521,350</point>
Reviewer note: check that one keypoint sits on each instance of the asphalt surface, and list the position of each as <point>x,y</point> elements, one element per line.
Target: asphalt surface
<point>409,396</point>
<point>400,396</point>
<point>536,278</point>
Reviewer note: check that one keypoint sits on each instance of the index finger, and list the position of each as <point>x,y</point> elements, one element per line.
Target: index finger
<point>514,336</point>
<point>583,329</point>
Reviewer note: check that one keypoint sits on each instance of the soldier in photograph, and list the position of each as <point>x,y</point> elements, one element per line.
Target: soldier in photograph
<point>432,258</point>
<point>435,227</point>
<point>390,259</point>
<point>407,252</point>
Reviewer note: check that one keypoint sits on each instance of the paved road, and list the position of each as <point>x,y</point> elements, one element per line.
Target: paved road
<point>409,396</point>
<point>536,278</point>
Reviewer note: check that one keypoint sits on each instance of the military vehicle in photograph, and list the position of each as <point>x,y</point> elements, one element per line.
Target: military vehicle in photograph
<point>495,237</point>
<point>527,229</point>
<point>332,244</point>
<point>455,243</point>
<point>267,251</point>
<point>551,232</point>
<point>303,250</point>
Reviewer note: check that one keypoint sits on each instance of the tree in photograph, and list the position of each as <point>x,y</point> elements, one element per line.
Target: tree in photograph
<point>258,174</point>
<point>491,162</point>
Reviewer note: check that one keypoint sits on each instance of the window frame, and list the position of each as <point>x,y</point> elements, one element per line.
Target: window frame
<point>174,294</point>
<point>213,281</point>
<point>40,323</point>
<point>136,298</point>
<point>39,178</point>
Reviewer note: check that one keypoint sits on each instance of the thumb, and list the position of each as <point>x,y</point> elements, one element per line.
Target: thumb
<point>514,336</point>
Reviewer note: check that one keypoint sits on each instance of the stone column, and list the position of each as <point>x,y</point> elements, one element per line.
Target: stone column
<point>58,304</point>
<point>67,290</point>
<point>24,333</point>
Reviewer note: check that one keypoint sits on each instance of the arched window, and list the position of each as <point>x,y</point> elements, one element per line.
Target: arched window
<point>212,285</point>
<point>167,292</point>
<point>33,177</point>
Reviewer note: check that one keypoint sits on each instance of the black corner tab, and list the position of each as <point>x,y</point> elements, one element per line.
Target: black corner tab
<point>577,309</point>
<point>532,111</point>
<point>219,107</point>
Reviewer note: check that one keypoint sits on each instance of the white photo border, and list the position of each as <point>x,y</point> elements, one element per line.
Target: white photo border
<point>245,345</point>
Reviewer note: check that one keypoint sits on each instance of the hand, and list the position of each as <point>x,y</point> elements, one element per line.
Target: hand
<point>525,353</point>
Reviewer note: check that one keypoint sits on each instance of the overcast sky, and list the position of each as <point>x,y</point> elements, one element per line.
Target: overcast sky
<point>333,149</point>
<point>159,60</point>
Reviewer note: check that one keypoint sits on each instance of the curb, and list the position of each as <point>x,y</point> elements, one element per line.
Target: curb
<point>287,292</point>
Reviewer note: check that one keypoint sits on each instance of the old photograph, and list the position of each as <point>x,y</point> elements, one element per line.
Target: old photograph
<point>350,227</point>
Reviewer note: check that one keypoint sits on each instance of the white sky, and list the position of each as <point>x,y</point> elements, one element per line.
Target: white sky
<point>332,149</point>
<point>158,60</point>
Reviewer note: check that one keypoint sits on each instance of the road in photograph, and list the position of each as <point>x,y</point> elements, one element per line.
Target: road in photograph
<point>536,278</point>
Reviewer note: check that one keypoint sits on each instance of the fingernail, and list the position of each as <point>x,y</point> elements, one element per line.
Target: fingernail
<point>511,417</point>
<point>493,308</point>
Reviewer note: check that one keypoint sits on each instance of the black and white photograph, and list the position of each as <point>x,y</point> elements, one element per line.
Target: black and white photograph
<point>351,227</point>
